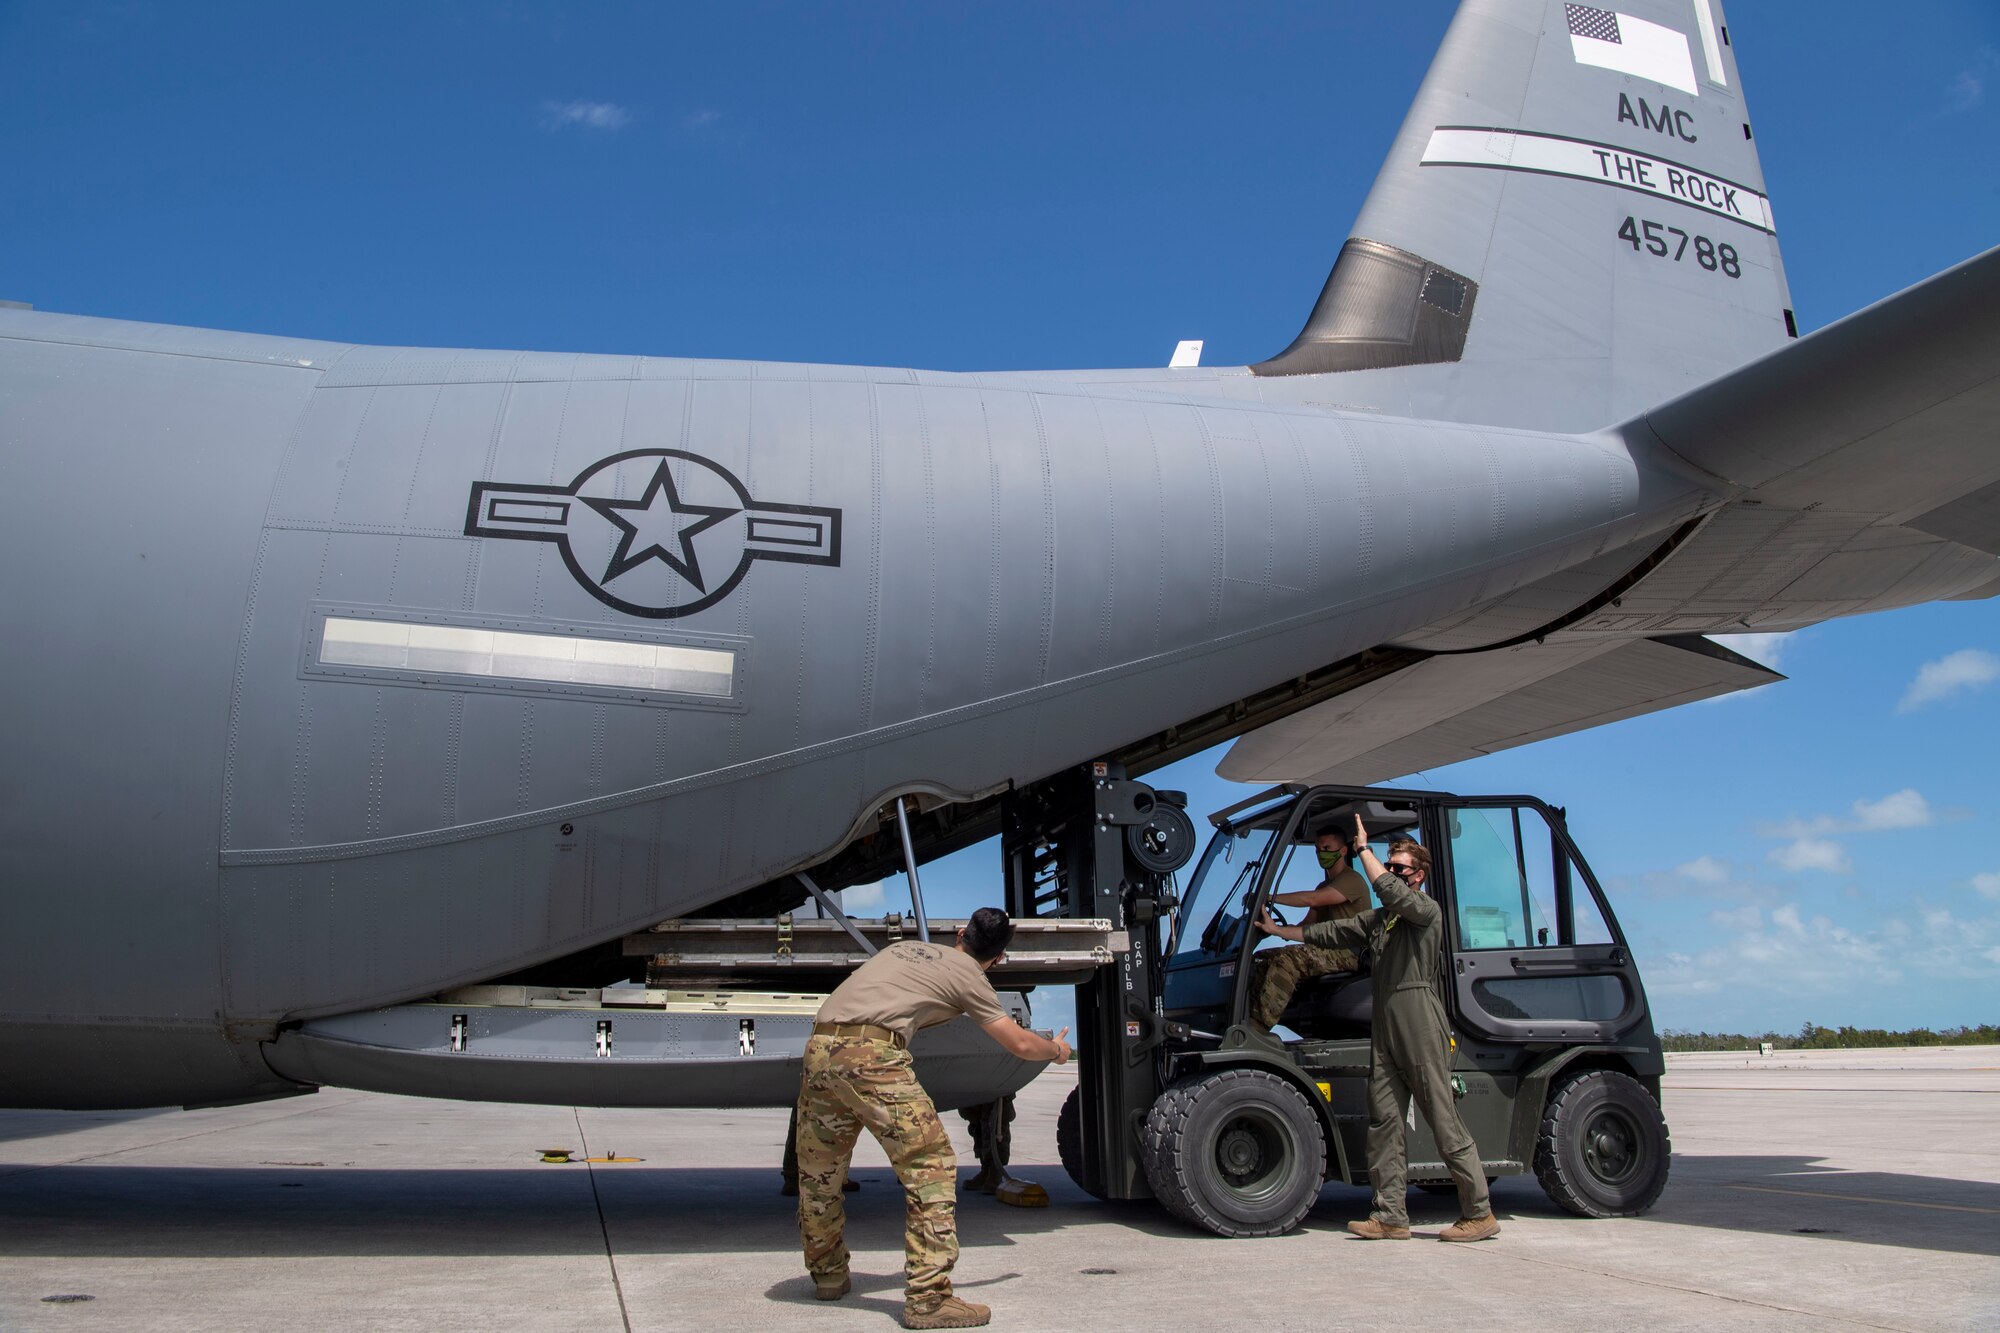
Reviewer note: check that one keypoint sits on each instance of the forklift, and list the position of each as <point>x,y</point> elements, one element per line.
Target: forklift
<point>1556,1063</point>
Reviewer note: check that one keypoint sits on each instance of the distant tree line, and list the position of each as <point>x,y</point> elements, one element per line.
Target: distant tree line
<point>1813,1037</point>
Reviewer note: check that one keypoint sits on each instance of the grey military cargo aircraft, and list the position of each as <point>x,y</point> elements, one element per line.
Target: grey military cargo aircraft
<point>434,669</point>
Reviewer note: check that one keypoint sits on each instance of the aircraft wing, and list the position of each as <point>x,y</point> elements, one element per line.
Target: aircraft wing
<point>1459,706</point>
<point>1893,411</point>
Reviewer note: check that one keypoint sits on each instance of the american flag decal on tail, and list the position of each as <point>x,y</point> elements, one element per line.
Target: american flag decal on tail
<point>1614,41</point>
<point>1598,24</point>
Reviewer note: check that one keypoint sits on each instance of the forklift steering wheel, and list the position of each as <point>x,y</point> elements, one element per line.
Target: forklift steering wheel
<point>1250,908</point>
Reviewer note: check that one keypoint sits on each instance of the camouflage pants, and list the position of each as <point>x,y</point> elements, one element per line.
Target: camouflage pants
<point>1276,973</point>
<point>849,1083</point>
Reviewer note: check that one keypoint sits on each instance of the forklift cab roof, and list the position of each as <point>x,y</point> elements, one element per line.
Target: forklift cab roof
<point>1384,810</point>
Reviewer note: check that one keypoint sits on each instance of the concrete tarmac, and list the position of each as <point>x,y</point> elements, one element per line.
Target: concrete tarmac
<point>1825,1189</point>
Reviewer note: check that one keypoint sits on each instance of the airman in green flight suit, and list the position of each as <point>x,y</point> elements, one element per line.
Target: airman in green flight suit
<point>1411,1040</point>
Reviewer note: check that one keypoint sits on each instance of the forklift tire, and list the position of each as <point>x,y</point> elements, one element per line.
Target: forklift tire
<point>1069,1140</point>
<point>1237,1152</point>
<point>1603,1149</point>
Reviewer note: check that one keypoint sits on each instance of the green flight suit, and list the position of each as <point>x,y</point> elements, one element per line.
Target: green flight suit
<point>1411,1046</point>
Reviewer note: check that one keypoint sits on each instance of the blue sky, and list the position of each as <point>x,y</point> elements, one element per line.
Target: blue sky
<point>1038,185</point>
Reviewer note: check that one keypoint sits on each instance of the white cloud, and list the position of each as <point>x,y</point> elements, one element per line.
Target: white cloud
<point>1967,88</point>
<point>590,115</point>
<point>1742,920</point>
<point>1705,879</point>
<point>861,897</point>
<point>1954,673</point>
<point>1811,854</point>
<point>1898,810</point>
<point>1766,648</point>
<point>1704,870</point>
<point>1809,843</point>
<point>1745,971</point>
<point>701,118</point>
<point>1987,884</point>
<point>1905,809</point>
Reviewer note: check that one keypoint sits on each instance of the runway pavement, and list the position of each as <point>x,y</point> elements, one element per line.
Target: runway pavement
<point>1825,1189</point>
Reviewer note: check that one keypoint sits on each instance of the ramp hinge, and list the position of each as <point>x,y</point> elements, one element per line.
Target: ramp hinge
<point>893,923</point>
<point>746,1036</point>
<point>785,935</point>
<point>603,1037</point>
<point>458,1032</point>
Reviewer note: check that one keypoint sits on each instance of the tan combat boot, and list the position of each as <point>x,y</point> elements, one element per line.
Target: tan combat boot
<point>951,1312</point>
<point>1374,1228</point>
<point>1472,1228</point>
<point>832,1291</point>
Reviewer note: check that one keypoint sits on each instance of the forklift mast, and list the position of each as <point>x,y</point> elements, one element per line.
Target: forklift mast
<point>1088,843</point>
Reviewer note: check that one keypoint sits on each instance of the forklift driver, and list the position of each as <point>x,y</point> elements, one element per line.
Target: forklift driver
<point>1411,1041</point>
<point>1276,973</point>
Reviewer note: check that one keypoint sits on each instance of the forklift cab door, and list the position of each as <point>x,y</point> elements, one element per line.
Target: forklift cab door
<point>1537,953</point>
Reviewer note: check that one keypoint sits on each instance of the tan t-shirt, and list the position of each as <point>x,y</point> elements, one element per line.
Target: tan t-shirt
<point>914,985</point>
<point>1353,888</point>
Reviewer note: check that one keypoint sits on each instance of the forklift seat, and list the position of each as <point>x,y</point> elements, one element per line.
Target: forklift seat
<point>1338,1004</point>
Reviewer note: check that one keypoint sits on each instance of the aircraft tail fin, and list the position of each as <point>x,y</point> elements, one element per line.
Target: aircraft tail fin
<point>1570,227</point>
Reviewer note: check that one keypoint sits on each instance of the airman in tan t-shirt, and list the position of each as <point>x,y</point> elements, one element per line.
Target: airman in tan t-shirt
<point>858,1072</point>
<point>909,986</point>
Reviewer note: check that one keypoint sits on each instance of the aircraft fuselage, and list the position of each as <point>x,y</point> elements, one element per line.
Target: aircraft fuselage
<point>357,673</point>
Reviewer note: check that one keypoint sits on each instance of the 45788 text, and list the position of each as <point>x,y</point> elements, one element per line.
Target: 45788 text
<point>1672,243</point>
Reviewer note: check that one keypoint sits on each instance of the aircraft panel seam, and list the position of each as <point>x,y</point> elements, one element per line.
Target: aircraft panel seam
<point>871,648</point>
<point>1045,643</point>
<point>238,684</point>
<point>96,345</point>
<point>929,668</point>
<point>1218,534</point>
<point>270,856</point>
<point>1107,599</point>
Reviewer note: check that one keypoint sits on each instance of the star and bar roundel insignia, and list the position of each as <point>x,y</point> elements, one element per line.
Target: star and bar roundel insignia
<point>658,533</point>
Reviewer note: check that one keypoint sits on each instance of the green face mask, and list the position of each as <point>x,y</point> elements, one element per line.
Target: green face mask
<point>1328,860</point>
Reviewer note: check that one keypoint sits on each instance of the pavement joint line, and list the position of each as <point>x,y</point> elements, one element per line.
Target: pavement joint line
<point>176,1138</point>
<point>1501,1255</point>
<point>603,1227</point>
<point>1929,1091</point>
<point>1866,1198</point>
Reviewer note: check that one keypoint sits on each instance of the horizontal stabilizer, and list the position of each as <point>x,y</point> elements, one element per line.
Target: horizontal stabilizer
<point>1971,520</point>
<point>1454,707</point>
<point>1892,412</point>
